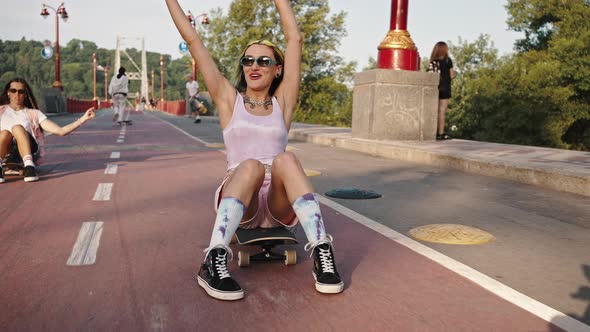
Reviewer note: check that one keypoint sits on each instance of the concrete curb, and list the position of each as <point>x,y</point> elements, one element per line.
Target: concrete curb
<point>573,179</point>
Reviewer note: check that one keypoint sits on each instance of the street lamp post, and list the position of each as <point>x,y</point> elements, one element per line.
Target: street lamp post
<point>94,74</point>
<point>193,20</point>
<point>105,69</point>
<point>161,78</point>
<point>153,89</point>
<point>397,50</point>
<point>106,83</point>
<point>60,11</point>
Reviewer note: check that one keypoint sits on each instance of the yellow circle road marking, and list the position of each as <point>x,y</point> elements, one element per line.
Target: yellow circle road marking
<point>291,148</point>
<point>451,234</point>
<point>311,172</point>
<point>216,145</point>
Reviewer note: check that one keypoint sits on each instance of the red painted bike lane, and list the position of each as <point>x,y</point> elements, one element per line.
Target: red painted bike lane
<point>155,225</point>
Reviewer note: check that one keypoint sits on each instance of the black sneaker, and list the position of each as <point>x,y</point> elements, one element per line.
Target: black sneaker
<point>197,120</point>
<point>30,174</point>
<point>1,174</point>
<point>327,279</point>
<point>442,137</point>
<point>215,279</point>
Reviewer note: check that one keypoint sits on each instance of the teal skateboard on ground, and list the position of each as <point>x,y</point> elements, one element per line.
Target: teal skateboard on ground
<point>267,239</point>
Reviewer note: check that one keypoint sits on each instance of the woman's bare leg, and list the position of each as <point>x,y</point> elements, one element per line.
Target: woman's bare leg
<point>22,140</point>
<point>5,143</point>
<point>244,183</point>
<point>443,105</point>
<point>288,182</point>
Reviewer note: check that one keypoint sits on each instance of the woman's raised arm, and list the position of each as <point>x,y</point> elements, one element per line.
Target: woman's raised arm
<point>288,91</point>
<point>221,90</point>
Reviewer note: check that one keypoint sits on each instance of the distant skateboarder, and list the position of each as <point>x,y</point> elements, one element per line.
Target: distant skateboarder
<point>192,95</point>
<point>118,89</point>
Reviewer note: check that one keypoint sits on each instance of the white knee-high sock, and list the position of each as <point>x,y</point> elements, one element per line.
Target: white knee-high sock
<point>229,214</point>
<point>307,209</point>
<point>28,160</point>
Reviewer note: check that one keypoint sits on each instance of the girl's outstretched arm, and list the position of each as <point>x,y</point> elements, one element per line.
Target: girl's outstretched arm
<point>221,90</point>
<point>288,91</point>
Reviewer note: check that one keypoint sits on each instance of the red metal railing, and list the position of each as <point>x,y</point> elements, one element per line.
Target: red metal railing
<point>80,106</point>
<point>175,107</point>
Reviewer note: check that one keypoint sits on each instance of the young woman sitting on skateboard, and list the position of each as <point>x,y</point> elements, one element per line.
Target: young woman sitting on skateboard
<point>264,186</point>
<point>22,125</point>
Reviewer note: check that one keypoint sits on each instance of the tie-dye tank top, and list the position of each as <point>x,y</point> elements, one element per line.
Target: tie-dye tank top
<point>249,136</point>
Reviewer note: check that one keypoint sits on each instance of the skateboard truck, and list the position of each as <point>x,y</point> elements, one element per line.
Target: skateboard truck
<point>266,239</point>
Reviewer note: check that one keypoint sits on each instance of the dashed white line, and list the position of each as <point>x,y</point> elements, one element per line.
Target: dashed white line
<point>119,141</point>
<point>111,169</point>
<point>115,155</point>
<point>103,192</point>
<point>86,246</point>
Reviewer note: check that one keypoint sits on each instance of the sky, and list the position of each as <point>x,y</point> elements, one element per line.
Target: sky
<point>367,23</point>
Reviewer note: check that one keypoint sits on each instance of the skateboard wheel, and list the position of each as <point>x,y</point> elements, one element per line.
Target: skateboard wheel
<point>243,259</point>
<point>290,257</point>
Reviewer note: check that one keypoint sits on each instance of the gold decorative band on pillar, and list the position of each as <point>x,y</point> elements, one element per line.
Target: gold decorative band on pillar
<point>398,39</point>
<point>398,51</point>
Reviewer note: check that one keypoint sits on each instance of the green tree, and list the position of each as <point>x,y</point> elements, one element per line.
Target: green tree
<point>557,48</point>
<point>538,96</point>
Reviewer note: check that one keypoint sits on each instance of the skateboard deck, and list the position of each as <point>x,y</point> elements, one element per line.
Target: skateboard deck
<point>12,168</point>
<point>267,239</point>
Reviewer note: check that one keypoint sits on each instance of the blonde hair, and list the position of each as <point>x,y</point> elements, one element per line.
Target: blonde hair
<point>239,77</point>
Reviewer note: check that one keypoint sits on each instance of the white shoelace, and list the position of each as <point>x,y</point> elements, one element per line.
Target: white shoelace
<point>220,261</point>
<point>221,266</point>
<point>326,260</point>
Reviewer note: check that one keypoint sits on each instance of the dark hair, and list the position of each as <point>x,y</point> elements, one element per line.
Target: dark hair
<point>121,72</point>
<point>240,79</point>
<point>30,101</point>
<point>440,51</point>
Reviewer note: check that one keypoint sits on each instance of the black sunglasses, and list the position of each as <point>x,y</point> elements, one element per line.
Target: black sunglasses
<point>263,61</point>
<point>20,91</point>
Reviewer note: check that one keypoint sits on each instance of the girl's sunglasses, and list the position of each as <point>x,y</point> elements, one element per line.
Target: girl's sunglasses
<point>20,91</point>
<point>263,61</point>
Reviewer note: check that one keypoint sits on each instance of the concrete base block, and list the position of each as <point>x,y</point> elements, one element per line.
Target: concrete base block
<point>395,105</point>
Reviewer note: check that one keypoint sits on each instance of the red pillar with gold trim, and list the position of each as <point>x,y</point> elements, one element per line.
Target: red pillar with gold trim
<point>397,50</point>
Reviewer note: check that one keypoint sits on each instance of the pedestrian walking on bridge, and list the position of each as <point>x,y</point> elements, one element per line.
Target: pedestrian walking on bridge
<point>118,89</point>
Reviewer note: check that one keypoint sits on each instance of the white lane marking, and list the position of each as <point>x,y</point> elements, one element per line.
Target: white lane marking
<point>111,169</point>
<point>184,132</point>
<point>121,136</point>
<point>103,192</point>
<point>86,246</point>
<point>119,141</point>
<point>187,134</point>
<point>531,305</point>
<point>115,155</point>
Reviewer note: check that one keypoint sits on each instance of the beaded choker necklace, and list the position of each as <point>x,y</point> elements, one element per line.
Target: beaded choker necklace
<point>253,103</point>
